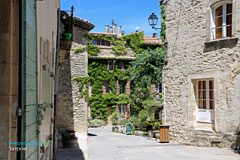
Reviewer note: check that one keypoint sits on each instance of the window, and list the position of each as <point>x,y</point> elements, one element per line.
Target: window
<point>222,17</point>
<point>110,65</point>
<point>122,109</point>
<point>101,43</point>
<point>122,87</point>
<point>107,87</point>
<point>121,66</point>
<point>205,100</point>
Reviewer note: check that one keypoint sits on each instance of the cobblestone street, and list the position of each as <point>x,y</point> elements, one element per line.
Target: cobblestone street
<point>105,145</point>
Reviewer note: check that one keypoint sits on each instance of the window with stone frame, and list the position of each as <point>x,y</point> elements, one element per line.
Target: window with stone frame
<point>205,100</point>
<point>222,20</point>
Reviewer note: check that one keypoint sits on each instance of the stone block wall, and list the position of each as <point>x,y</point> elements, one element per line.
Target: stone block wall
<point>191,56</point>
<point>72,111</point>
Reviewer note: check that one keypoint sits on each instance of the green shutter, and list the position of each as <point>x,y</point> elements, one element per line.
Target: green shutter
<point>29,80</point>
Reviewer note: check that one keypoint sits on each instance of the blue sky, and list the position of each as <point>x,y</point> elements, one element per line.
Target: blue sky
<point>127,13</point>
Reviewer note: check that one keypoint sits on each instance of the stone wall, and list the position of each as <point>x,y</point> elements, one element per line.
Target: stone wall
<point>72,111</point>
<point>192,56</point>
<point>9,69</point>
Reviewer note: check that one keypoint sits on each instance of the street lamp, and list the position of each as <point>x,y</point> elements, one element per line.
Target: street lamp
<point>153,19</point>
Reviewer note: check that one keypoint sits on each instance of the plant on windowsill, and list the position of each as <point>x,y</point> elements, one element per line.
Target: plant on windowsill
<point>69,139</point>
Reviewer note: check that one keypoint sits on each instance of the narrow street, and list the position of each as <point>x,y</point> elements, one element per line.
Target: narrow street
<point>105,145</point>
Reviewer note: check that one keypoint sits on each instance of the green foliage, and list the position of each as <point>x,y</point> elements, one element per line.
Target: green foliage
<point>116,117</point>
<point>156,125</point>
<point>134,40</point>
<point>119,48</point>
<point>82,82</point>
<point>146,69</point>
<point>79,50</point>
<point>123,99</point>
<point>163,24</point>
<point>99,37</point>
<point>98,73</point>
<point>123,122</point>
<point>93,50</point>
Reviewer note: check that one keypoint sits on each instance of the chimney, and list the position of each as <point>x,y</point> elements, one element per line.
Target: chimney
<point>114,27</point>
<point>107,28</point>
<point>111,30</point>
<point>119,29</point>
<point>154,35</point>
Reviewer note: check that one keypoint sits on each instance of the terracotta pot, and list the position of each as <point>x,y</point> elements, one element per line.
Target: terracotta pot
<point>70,143</point>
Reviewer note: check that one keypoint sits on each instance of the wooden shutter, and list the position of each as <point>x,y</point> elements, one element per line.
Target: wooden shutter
<point>219,22</point>
<point>117,87</point>
<point>128,87</point>
<point>229,20</point>
<point>104,87</point>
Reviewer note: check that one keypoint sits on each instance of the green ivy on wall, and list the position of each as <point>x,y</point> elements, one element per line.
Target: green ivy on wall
<point>83,84</point>
<point>163,24</point>
<point>97,70</point>
<point>135,41</point>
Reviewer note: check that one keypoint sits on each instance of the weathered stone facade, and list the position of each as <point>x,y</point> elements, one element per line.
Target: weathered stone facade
<point>72,110</point>
<point>9,71</point>
<point>192,56</point>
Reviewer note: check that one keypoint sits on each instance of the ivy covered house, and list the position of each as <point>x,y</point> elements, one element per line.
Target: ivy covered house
<point>109,56</point>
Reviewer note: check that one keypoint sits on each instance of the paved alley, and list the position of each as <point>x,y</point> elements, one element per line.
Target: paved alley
<point>105,145</point>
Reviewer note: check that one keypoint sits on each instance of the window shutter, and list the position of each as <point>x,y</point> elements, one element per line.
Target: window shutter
<point>104,87</point>
<point>128,87</point>
<point>117,87</point>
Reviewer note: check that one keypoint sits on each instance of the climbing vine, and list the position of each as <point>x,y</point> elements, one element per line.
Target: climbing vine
<point>83,84</point>
<point>134,41</point>
<point>98,74</point>
<point>163,24</point>
<point>119,45</point>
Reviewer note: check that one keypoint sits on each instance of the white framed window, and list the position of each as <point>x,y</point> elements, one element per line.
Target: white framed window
<point>205,101</point>
<point>222,20</point>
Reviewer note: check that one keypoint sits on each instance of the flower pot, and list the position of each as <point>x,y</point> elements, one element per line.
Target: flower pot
<point>67,36</point>
<point>72,143</point>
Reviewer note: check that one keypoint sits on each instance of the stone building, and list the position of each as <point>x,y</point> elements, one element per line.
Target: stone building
<point>29,45</point>
<point>72,110</point>
<point>114,61</point>
<point>202,75</point>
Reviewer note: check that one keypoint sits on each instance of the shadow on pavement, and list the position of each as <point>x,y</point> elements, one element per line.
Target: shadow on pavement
<point>69,153</point>
<point>91,134</point>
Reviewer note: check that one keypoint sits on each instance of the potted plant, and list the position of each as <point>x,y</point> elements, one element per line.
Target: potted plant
<point>156,127</point>
<point>69,139</point>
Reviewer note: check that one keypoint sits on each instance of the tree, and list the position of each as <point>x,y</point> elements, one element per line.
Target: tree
<point>144,71</point>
